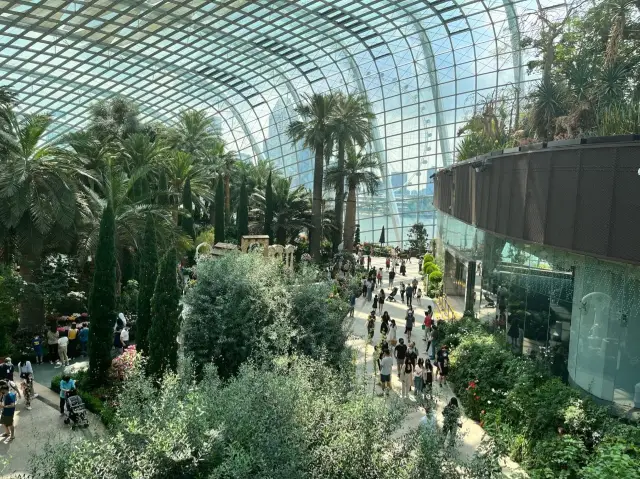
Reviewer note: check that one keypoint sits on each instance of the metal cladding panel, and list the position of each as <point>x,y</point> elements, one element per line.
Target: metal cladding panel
<point>462,199</point>
<point>504,196</point>
<point>624,236</point>
<point>537,194</point>
<point>515,226</point>
<point>584,198</point>
<point>563,188</point>
<point>491,222</point>
<point>594,200</point>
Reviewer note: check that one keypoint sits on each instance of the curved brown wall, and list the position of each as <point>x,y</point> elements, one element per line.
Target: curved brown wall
<point>581,198</point>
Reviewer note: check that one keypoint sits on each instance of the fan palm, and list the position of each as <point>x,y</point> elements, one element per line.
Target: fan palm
<point>114,119</point>
<point>313,130</point>
<point>549,102</point>
<point>195,134</point>
<point>291,208</point>
<point>349,125</point>
<point>38,195</point>
<point>359,172</point>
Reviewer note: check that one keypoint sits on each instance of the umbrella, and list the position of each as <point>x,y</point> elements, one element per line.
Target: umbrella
<point>381,240</point>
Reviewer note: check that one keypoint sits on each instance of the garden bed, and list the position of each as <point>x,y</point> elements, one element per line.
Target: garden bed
<point>533,417</point>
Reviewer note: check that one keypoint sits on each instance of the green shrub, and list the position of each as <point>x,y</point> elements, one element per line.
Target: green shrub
<point>435,277</point>
<point>427,258</point>
<point>429,268</point>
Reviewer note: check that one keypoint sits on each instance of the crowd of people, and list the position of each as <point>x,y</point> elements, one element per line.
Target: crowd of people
<point>397,352</point>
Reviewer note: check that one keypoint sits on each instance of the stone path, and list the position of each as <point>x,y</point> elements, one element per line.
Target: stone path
<point>36,428</point>
<point>471,433</point>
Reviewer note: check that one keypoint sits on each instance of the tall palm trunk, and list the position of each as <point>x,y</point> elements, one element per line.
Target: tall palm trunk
<point>339,203</point>
<point>32,306</point>
<point>315,236</point>
<point>350,219</point>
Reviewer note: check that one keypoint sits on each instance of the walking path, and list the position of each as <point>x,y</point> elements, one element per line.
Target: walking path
<point>471,433</point>
<point>41,426</point>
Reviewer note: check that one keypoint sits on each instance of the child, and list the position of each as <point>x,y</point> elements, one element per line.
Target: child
<point>37,348</point>
<point>26,374</point>
<point>419,295</point>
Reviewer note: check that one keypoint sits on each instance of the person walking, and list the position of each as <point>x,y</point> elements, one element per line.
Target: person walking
<point>409,321</point>
<point>443,364</point>
<point>402,291</point>
<point>428,319</point>
<point>409,295</point>
<point>392,336</point>
<point>8,411</point>
<point>412,353</point>
<point>386,367</point>
<point>371,325</point>
<point>63,344</point>
<point>364,289</point>
<point>368,261</point>
<point>379,277</point>
<point>419,296</point>
<point>403,268</point>
<point>375,302</point>
<point>37,348</point>
<point>66,384</point>
<point>72,334</point>
<point>433,341</point>
<point>124,338</point>
<point>384,325</point>
<point>387,263</point>
<point>400,354</point>
<point>352,304</point>
<point>381,298</point>
<point>83,338</point>
<point>26,374</point>
<point>427,378</point>
<point>451,416</point>
<point>406,377</point>
<point>414,285</point>
<point>392,275</point>
<point>417,378</point>
<point>369,289</point>
<point>52,342</point>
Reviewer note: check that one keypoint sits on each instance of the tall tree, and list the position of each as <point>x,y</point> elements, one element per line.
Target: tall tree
<point>187,205</point>
<point>382,239</point>
<point>38,198</point>
<point>102,302</point>
<point>350,125</point>
<point>358,173</point>
<point>218,228</point>
<point>147,281</point>
<point>165,318</point>
<point>313,130</point>
<point>268,210</point>
<point>242,219</point>
<point>356,238</point>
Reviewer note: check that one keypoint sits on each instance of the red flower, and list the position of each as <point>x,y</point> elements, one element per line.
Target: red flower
<point>472,384</point>
<point>476,397</point>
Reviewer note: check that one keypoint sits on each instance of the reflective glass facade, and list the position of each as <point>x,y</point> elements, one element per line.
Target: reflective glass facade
<point>423,65</point>
<point>581,313</point>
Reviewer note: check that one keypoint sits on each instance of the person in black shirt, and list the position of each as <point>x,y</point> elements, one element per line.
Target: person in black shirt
<point>392,275</point>
<point>6,370</point>
<point>400,354</point>
<point>371,324</point>
<point>384,327</point>
<point>443,364</point>
<point>412,353</point>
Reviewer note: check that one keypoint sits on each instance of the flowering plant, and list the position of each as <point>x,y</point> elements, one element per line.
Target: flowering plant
<point>123,364</point>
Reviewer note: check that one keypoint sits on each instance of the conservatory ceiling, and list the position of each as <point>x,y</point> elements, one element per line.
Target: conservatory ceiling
<point>423,65</point>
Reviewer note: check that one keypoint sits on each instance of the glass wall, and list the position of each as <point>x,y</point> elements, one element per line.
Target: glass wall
<point>580,315</point>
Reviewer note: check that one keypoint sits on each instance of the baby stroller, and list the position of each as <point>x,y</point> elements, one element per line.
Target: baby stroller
<point>490,302</point>
<point>392,294</point>
<point>75,410</point>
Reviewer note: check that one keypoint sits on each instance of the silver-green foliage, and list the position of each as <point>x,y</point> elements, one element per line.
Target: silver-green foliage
<point>287,418</point>
<point>240,307</point>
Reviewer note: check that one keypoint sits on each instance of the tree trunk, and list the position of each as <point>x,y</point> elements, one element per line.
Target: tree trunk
<point>315,236</point>
<point>350,220</point>
<point>32,307</point>
<point>339,203</point>
<point>212,208</point>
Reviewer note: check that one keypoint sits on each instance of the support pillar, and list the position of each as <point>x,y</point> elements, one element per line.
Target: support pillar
<point>469,301</point>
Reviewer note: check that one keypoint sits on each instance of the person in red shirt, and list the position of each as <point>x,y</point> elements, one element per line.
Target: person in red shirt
<point>428,321</point>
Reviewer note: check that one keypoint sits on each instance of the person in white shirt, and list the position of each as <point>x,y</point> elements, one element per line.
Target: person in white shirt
<point>124,338</point>
<point>63,343</point>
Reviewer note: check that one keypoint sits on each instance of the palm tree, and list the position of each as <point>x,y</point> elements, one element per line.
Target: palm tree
<point>194,134</point>
<point>349,126</point>
<point>358,172</point>
<point>291,210</point>
<point>313,130</point>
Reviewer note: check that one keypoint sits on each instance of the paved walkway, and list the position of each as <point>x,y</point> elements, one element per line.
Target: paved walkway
<point>38,427</point>
<point>471,433</point>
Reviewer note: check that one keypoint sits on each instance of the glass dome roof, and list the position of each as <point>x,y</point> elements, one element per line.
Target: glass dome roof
<point>423,65</point>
